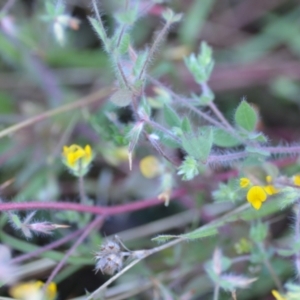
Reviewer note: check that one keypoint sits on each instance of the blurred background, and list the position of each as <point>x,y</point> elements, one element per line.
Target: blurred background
<point>256,47</point>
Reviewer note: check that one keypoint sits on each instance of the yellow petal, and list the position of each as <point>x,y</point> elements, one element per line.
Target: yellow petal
<point>33,291</point>
<point>256,204</point>
<point>88,151</point>
<point>277,295</point>
<point>256,193</point>
<point>270,189</point>
<point>296,180</point>
<point>269,179</point>
<point>244,182</point>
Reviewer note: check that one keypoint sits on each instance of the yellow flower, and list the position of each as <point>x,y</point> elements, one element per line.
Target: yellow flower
<point>296,180</point>
<point>33,291</point>
<point>269,179</point>
<point>77,159</point>
<point>277,295</point>
<point>150,166</point>
<point>256,195</point>
<point>244,182</point>
<point>271,190</point>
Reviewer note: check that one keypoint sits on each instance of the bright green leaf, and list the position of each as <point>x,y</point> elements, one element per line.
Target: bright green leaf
<point>171,117</point>
<point>246,116</point>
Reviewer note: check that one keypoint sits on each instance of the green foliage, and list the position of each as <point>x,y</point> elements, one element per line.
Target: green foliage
<point>224,139</point>
<point>189,168</point>
<point>245,116</point>
<point>171,117</point>
<point>199,145</point>
<point>202,65</point>
<point>258,232</point>
<point>44,79</point>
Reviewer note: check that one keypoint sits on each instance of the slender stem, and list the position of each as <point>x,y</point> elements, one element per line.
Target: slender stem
<point>107,211</point>
<point>216,292</point>
<point>95,97</point>
<point>297,237</point>
<point>153,48</point>
<point>220,116</point>
<point>104,38</point>
<point>98,221</point>
<point>142,255</point>
<point>48,247</point>
<point>185,102</point>
<point>271,269</point>
<point>83,197</point>
<point>125,81</point>
<point>162,129</point>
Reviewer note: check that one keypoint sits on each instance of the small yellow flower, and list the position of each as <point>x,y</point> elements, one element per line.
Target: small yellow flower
<point>244,182</point>
<point>150,166</point>
<point>33,291</point>
<point>269,179</point>
<point>77,159</point>
<point>256,195</point>
<point>296,180</point>
<point>277,295</point>
<point>271,190</point>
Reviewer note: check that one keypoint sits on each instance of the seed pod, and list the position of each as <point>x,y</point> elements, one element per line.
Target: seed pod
<point>110,263</point>
<point>110,246</point>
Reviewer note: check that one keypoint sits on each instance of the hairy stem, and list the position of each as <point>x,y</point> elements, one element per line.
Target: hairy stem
<point>154,47</point>
<point>104,38</point>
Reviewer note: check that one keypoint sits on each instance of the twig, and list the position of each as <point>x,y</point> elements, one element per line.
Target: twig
<point>97,96</point>
<point>143,255</point>
<point>48,247</point>
<point>98,221</point>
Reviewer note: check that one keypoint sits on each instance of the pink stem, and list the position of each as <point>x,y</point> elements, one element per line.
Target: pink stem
<point>98,210</point>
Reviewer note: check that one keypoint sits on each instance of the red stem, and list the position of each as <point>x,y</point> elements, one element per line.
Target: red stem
<point>98,210</point>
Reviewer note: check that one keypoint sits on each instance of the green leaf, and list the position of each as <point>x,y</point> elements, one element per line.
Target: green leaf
<point>186,126</point>
<point>194,235</point>
<point>100,31</point>
<point>285,252</point>
<point>171,117</point>
<point>224,139</point>
<point>121,97</point>
<point>259,232</point>
<point>199,146</point>
<point>124,44</point>
<point>189,168</point>
<point>140,62</point>
<point>245,116</point>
